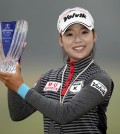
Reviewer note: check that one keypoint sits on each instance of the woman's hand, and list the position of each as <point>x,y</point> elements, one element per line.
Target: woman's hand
<point>12,80</point>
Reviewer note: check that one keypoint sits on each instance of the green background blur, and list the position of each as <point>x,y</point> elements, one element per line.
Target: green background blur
<point>43,52</point>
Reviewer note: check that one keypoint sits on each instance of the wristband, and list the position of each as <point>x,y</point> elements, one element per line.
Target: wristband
<point>22,90</point>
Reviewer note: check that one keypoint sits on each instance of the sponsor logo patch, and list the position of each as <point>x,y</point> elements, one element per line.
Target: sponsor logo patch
<point>76,87</point>
<point>52,86</point>
<point>99,86</point>
<point>82,15</point>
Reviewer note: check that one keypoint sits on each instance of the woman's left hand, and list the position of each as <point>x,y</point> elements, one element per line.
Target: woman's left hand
<point>12,80</point>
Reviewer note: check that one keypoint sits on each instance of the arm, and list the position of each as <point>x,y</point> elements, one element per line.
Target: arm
<point>19,109</point>
<point>88,98</point>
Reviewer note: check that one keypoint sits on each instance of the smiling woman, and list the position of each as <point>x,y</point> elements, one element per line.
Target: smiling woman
<point>74,98</point>
<point>77,41</point>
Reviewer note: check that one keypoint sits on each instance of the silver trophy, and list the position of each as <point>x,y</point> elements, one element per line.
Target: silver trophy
<point>12,43</point>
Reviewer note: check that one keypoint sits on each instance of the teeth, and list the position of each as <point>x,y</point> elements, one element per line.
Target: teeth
<point>78,48</point>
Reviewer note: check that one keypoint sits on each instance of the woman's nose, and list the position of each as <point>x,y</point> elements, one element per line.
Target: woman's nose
<point>78,39</point>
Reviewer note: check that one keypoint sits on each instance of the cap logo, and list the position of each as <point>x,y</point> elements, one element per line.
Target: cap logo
<point>82,15</point>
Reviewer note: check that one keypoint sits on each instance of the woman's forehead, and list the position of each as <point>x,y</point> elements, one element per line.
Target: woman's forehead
<point>77,26</point>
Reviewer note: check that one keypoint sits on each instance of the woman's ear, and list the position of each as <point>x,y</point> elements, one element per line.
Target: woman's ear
<point>60,40</point>
<point>94,35</point>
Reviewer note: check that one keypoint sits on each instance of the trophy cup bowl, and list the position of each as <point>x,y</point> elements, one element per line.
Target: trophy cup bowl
<point>12,43</point>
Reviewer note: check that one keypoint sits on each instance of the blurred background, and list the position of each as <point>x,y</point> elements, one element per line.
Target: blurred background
<point>43,51</point>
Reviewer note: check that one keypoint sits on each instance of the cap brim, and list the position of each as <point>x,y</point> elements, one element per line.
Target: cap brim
<point>90,27</point>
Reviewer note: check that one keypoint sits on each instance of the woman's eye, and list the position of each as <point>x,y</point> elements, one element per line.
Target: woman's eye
<point>85,32</point>
<point>69,34</point>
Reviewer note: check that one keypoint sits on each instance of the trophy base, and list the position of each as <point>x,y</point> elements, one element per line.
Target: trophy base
<point>8,66</point>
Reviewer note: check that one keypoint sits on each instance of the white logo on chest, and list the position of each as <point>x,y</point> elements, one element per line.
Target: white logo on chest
<point>52,86</point>
<point>76,86</point>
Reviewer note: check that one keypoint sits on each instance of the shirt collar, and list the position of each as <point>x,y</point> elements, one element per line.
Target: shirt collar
<point>79,65</point>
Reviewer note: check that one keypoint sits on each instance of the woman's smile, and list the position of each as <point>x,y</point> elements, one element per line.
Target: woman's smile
<point>77,41</point>
<point>79,48</point>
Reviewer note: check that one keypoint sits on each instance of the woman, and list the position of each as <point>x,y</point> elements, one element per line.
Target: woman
<point>74,98</point>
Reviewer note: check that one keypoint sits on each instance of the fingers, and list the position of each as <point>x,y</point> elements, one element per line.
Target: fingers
<point>12,80</point>
<point>5,81</point>
<point>2,80</point>
<point>5,77</point>
<point>5,74</point>
<point>17,67</point>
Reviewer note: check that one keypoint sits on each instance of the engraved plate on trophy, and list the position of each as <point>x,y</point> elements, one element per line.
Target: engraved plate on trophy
<point>12,43</point>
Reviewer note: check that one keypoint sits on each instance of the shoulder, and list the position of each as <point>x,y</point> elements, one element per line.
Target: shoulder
<point>51,74</point>
<point>100,79</point>
<point>95,70</point>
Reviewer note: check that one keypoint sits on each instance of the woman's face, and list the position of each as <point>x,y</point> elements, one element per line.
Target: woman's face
<point>77,41</point>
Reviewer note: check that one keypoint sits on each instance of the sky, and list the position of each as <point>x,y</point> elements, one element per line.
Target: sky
<point>43,51</point>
